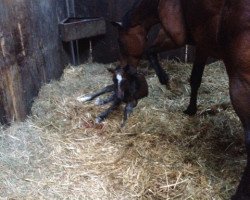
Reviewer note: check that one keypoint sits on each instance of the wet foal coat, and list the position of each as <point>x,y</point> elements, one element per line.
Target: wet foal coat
<point>129,86</point>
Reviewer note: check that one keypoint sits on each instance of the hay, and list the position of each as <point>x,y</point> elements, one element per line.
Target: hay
<point>59,153</point>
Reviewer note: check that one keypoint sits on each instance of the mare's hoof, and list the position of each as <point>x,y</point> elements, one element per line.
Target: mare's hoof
<point>164,80</point>
<point>240,197</point>
<point>190,111</point>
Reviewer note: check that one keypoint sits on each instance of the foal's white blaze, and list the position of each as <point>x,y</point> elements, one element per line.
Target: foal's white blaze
<point>119,79</point>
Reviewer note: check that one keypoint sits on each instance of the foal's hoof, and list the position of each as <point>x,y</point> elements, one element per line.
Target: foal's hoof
<point>98,120</point>
<point>84,98</point>
<point>98,102</point>
<point>190,111</point>
<point>123,124</point>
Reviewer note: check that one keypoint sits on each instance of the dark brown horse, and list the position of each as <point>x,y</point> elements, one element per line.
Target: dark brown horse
<point>218,28</point>
<point>129,86</point>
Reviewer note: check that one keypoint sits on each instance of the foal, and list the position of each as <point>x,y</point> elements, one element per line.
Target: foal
<point>128,87</point>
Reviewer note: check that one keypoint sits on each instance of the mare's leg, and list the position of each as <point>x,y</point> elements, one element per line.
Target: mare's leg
<point>238,68</point>
<point>154,63</point>
<point>109,99</point>
<point>90,97</point>
<point>195,81</point>
<point>161,43</point>
<point>105,114</point>
<point>128,111</point>
<point>240,95</point>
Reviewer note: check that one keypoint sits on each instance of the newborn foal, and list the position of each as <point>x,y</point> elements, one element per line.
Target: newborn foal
<point>129,86</point>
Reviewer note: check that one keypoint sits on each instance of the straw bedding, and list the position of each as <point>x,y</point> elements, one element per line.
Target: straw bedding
<point>60,153</point>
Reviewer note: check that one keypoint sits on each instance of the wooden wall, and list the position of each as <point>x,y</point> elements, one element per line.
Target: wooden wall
<point>31,52</point>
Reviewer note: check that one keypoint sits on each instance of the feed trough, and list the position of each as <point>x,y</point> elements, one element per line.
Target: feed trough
<point>78,28</point>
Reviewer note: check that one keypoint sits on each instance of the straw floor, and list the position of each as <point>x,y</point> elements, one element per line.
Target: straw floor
<point>59,153</point>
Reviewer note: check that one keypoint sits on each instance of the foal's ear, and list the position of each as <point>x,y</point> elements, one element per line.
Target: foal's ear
<point>118,25</point>
<point>112,71</point>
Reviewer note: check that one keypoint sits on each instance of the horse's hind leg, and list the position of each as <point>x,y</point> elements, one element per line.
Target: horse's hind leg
<point>90,97</point>
<point>162,43</point>
<point>105,114</point>
<point>240,95</point>
<point>154,63</point>
<point>195,82</point>
<point>238,68</point>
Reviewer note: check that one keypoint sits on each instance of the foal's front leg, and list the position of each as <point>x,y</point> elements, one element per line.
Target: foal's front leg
<point>105,114</point>
<point>90,97</point>
<point>128,111</point>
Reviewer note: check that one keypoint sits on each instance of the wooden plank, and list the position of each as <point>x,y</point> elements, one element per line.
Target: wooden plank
<point>31,52</point>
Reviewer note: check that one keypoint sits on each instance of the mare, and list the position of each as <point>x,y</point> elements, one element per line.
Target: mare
<point>133,32</point>
<point>219,29</point>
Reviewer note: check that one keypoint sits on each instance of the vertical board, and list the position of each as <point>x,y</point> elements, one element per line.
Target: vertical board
<point>31,52</point>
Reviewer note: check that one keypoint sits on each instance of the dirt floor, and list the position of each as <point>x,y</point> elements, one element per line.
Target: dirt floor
<point>60,153</point>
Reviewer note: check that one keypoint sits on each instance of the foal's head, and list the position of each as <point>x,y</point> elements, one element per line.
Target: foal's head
<point>122,78</point>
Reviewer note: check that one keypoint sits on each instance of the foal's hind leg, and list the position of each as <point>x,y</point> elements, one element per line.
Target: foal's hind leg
<point>105,114</point>
<point>90,97</point>
<point>128,111</point>
<point>195,82</point>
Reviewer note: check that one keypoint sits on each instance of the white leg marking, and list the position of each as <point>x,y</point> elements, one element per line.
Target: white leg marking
<point>3,47</point>
<point>98,101</point>
<point>84,98</point>
<point>98,120</point>
<point>22,39</point>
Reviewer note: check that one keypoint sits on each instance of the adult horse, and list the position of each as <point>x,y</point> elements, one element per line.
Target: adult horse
<point>220,29</point>
<point>133,32</point>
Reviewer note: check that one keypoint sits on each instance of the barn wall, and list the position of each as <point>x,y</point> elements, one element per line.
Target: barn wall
<point>31,52</point>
